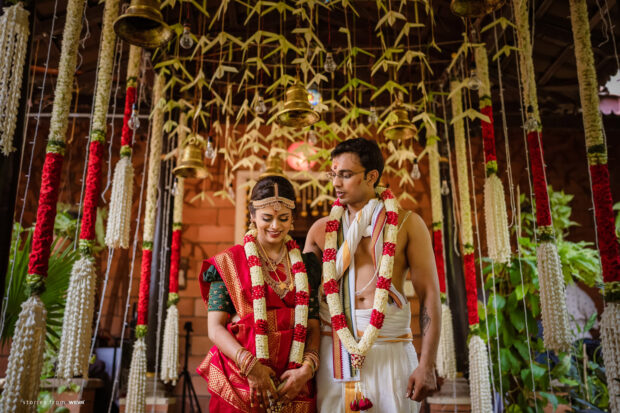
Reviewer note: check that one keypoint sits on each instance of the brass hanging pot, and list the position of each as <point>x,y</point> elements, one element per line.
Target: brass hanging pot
<point>191,164</point>
<point>274,165</point>
<point>143,25</point>
<point>402,128</point>
<point>297,111</point>
<point>475,8</point>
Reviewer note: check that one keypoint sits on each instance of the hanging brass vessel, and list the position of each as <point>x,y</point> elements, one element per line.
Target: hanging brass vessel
<point>143,25</point>
<point>297,111</point>
<point>402,129</point>
<point>475,8</point>
<point>191,164</point>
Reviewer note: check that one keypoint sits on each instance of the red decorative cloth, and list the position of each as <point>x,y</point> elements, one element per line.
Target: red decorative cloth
<point>471,289</point>
<point>175,257</point>
<point>543,211</point>
<point>229,390</point>
<point>46,215</point>
<point>439,263</point>
<point>145,281</point>
<point>93,190</point>
<point>605,226</point>
<point>488,135</point>
<point>130,99</point>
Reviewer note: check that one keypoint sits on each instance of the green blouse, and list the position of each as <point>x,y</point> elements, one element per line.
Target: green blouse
<point>219,299</point>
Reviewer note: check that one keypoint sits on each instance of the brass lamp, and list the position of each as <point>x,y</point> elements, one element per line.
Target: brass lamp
<point>297,111</point>
<point>402,128</point>
<point>475,8</point>
<point>274,165</point>
<point>191,164</point>
<point>143,25</point>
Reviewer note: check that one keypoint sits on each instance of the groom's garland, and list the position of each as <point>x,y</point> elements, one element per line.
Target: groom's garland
<point>259,303</point>
<point>332,288</point>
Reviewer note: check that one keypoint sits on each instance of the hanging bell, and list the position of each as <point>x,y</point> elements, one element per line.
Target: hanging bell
<point>297,111</point>
<point>191,164</point>
<point>143,25</point>
<point>475,8</point>
<point>402,129</point>
<point>274,165</point>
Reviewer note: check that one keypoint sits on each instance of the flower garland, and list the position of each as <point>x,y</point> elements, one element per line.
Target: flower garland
<point>496,218</point>
<point>14,32</point>
<point>119,219</point>
<point>552,287</point>
<point>601,194</point>
<point>259,302</point>
<point>332,288</point>
<point>26,357</point>
<point>77,323</point>
<point>170,350</point>
<point>480,388</point>
<point>136,396</point>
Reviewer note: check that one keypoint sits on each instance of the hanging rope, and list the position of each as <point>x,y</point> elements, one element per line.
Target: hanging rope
<point>26,357</point>
<point>480,386</point>
<point>552,287</point>
<point>14,32</point>
<point>169,373</point>
<point>601,196</point>
<point>119,219</point>
<point>77,324</point>
<point>136,390</point>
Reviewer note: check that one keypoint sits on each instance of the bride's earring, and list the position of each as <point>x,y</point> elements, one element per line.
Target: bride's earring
<point>252,226</point>
<point>292,226</point>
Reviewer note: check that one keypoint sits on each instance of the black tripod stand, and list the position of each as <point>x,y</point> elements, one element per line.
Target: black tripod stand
<point>188,387</point>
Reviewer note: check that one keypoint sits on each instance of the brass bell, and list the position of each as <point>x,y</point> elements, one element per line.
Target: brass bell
<point>191,164</point>
<point>297,111</point>
<point>273,166</point>
<point>475,8</point>
<point>402,129</point>
<point>143,25</point>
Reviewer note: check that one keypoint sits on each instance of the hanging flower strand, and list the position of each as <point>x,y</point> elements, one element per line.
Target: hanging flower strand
<point>14,31</point>
<point>136,390</point>
<point>26,357</point>
<point>446,356</point>
<point>601,193</point>
<point>77,323</point>
<point>495,216</point>
<point>552,288</point>
<point>480,391</point>
<point>170,351</point>
<point>119,219</point>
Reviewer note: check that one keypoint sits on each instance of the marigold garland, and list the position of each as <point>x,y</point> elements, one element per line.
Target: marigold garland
<point>137,377</point>
<point>14,32</point>
<point>27,351</point>
<point>437,214</point>
<point>496,218</point>
<point>119,218</point>
<point>384,280</point>
<point>259,302</point>
<point>551,279</point>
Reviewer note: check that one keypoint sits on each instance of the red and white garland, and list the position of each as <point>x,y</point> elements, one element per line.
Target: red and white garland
<point>259,303</point>
<point>332,288</point>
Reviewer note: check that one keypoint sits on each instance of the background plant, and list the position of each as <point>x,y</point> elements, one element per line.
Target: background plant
<point>513,332</point>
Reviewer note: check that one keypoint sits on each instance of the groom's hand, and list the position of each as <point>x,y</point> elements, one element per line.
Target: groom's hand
<point>422,383</point>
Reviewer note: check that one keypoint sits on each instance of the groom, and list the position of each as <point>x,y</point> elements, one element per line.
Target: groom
<point>390,378</point>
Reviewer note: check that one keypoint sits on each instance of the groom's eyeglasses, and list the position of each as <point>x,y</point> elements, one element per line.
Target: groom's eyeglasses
<point>344,175</point>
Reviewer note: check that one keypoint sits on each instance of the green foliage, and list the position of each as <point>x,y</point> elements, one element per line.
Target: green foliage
<point>514,307</point>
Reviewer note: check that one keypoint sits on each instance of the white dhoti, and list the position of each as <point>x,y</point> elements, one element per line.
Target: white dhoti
<point>386,370</point>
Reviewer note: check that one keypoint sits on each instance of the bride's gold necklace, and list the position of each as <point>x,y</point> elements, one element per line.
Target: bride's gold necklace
<point>281,287</point>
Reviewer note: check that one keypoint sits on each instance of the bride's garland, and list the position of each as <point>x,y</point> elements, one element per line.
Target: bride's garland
<point>332,288</point>
<point>259,302</point>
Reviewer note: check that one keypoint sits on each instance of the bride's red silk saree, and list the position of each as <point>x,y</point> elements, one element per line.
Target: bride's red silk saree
<point>230,392</point>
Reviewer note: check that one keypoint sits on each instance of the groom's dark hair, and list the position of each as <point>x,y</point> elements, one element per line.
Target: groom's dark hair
<point>366,150</point>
